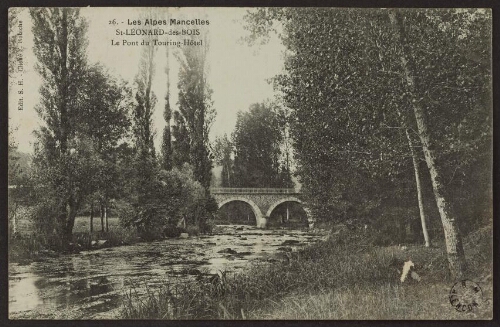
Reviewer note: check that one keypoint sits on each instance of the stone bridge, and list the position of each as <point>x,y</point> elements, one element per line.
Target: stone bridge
<point>262,200</point>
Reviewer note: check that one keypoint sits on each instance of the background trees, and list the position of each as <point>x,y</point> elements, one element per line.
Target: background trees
<point>168,190</point>
<point>145,101</point>
<point>257,140</point>
<point>223,152</point>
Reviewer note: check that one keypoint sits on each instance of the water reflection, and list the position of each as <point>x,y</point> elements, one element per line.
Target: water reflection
<point>91,284</point>
<point>23,294</point>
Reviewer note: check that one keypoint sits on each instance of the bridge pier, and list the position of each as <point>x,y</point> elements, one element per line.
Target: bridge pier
<point>261,222</point>
<point>310,218</point>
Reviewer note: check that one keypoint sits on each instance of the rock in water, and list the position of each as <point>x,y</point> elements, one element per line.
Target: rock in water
<point>228,250</point>
<point>290,242</point>
<point>184,235</point>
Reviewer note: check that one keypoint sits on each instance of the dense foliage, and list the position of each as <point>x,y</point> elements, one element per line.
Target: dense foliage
<point>173,197</point>
<point>257,140</point>
<point>349,102</point>
<point>64,162</point>
<point>195,115</point>
<point>356,80</point>
<point>222,149</point>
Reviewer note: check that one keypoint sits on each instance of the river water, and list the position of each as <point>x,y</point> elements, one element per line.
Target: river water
<point>92,284</point>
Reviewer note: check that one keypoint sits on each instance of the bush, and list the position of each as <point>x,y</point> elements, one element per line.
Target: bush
<point>193,230</point>
<point>170,197</point>
<point>207,226</point>
<point>172,231</point>
<point>26,247</point>
<point>397,225</point>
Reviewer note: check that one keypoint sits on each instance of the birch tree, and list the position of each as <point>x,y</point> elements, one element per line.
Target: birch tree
<point>416,92</point>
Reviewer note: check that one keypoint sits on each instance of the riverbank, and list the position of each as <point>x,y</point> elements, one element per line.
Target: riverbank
<point>344,277</point>
<point>28,246</point>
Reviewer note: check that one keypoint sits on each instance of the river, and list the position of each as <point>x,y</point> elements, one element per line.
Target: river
<point>92,284</point>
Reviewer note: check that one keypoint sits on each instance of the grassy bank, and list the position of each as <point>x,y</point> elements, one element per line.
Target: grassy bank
<point>345,277</point>
<point>116,234</point>
<point>30,246</point>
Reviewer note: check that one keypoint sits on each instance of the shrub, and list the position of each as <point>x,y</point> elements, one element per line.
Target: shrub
<point>193,230</point>
<point>173,231</point>
<point>396,225</point>
<point>207,226</point>
<point>171,196</point>
<point>26,247</point>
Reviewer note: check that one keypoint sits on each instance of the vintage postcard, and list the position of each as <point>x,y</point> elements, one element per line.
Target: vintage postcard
<point>250,163</point>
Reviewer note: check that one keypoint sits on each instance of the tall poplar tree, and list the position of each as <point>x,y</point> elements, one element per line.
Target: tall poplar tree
<point>180,141</point>
<point>195,110</point>
<point>166,146</point>
<point>60,48</point>
<point>142,116</point>
<point>167,115</point>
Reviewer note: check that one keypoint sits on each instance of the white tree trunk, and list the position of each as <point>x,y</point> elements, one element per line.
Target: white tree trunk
<point>419,190</point>
<point>454,246</point>
<point>106,218</point>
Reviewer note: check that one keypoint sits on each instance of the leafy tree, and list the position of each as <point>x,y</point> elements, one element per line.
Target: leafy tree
<point>75,174</point>
<point>104,118</point>
<point>257,139</point>
<point>59,46</point>
<point>14,168</point>
<point>467,77</point>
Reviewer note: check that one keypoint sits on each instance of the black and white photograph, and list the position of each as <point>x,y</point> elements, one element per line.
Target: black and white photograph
<point>250,163</point>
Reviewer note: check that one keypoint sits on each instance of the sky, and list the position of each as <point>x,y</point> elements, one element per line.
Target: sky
<point>237,73</point>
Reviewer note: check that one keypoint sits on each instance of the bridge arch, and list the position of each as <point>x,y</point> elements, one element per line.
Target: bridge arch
<point>256,210</point>
<point>288,199</point>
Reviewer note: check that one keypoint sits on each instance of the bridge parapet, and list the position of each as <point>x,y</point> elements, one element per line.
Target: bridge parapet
<point>233,190</point>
